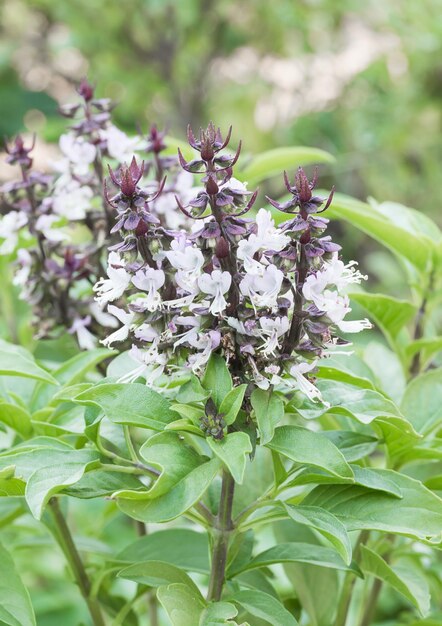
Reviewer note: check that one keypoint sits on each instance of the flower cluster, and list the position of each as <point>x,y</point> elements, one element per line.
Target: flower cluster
<point>269,297</point>
<point>59,226</point>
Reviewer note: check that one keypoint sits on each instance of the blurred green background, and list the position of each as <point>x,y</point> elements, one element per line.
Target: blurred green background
<point>360,79</point>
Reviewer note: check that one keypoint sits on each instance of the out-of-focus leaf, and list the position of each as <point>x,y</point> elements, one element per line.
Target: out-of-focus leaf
<point>274,162</point>
<point>15,603</point>
<point>415,589</point>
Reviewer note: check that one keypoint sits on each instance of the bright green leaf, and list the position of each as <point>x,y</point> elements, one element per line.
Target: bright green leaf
<point>217,379</point>
<point>269,410</point>
<point>172,457</point>
<point>133,404</point>
<point>326,524</point>
<point>231,404</point>
<point>177,501</point>
<point>233,450</point>
<point>417,514</point>
<point>305,446</point>
<point>299,553</point>
<point>182,604</point>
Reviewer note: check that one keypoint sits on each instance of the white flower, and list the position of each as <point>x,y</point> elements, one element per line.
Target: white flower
<point>267,237</point>
<point>192,333</point>
<point>151,365</point>
<point>235,185</point>
<point>21,276</point>
<point>45,225</point>
<point>189,259</point>
<point>10,224</point>
<point>325,288</point>
<point>117,282</point>
<point>122,333</point>
<point>103,318</point>
<point>146,332</point>
<point>79,153</point>
<point>150,280</point>
<point>272,329</point>
<point>216,285</point>
<point>86,340</point>
<point>205,343</point>
<point>119,145</point>
<point>72,200</point>
<point>297,372</point>
<point>263,289</point>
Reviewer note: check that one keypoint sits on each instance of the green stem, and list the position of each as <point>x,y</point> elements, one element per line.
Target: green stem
<point>349,582</point>
<point>152,603</point>
<point>222,530</point>
<point>72,555</point>
<point>372,601</point>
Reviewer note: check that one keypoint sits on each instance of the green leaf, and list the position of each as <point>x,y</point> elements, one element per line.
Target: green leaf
<point>219,613</point>
<point>71,372</point>
<point>231,404</point>
<point>16,361</point>
<point>9,484</point>
<point>16,418</point>
<point>233,450</point>
<point>365,476</point>
<point>417,514</point>
<point>334,373</point>
<point>156,573</point>
<point>264,606</point>
<point>99,483</point>
<point>389,314</point>
<point>177,501</point>
<point>365,405</point>
<point>217,379</point>
<point>326,524</point>
<point>422,401</point>
<point>181,547</point>
<point>15,603</point>
<point>192,391</point>
<point>273,162</point>
<point>305,446</point>
<point>182,604</point>
<point>172,457</point>
<point>52,478</point>
<point>415,589</point>
<point>418,250</point>
<point>316,587</point>
<point>269,410</point>
<point>299,553</point>
<point>133,404</point>
<point>427,346</point>
<point>354,446</point>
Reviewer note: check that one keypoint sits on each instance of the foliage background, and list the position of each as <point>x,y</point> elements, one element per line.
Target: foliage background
<point>360,79</point>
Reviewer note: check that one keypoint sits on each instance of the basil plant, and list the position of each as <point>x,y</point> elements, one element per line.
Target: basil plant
<point>241,450</point>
